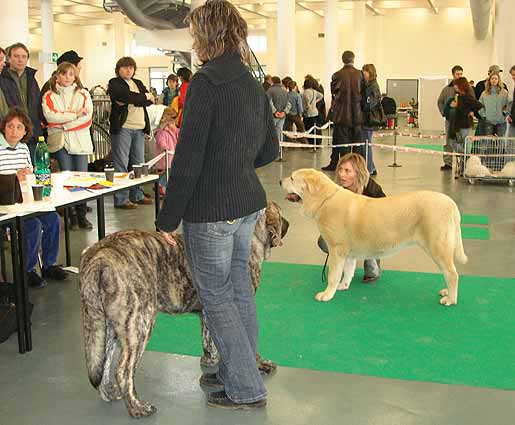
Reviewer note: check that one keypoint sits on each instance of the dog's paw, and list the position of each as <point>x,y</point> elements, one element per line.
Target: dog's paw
<point>446,301</point>
<point>266,367</point>
<point>323,296</point>
<point>110,392</point>
<point>208,361</point>
<point>444,292</point>
<point>343,286</point>
<point>141,409</point>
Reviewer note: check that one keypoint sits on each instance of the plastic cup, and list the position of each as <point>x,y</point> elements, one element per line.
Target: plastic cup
<point>37,192</point>
<point>109,172</point>
<point>144,169</point>
<point>138,169</point>
<point>58,180</point>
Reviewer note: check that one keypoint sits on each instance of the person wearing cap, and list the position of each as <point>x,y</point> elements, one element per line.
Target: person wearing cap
<point>481,85</point>
<point>71,56</point>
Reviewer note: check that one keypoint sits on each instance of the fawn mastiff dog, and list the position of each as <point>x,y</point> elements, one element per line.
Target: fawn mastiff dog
<point>355,226</point>
<point>126,278</point>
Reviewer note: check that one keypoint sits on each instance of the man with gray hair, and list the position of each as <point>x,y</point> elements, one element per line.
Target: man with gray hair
<point>346,92</point>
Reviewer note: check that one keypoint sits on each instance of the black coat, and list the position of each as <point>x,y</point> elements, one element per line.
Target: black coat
<point>373,189</point>
<point>227,132</point>
<point>13,98</point>
<point>119,91</point>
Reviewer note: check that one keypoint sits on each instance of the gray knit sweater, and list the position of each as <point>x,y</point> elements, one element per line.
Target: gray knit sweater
<point>226,133</point>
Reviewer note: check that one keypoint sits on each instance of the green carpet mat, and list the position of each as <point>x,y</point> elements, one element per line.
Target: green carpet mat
<point>480,233</point>
<point>475,219</point>
<point>426,146</point>
<point>394,328</point>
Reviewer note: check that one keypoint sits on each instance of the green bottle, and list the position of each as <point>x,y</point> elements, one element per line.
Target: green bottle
<point>43,166</point>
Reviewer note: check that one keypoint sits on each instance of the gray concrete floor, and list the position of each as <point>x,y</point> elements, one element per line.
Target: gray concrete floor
<point>49,385</point>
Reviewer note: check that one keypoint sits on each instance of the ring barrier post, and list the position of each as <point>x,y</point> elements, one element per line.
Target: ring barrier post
<point>395,165</point>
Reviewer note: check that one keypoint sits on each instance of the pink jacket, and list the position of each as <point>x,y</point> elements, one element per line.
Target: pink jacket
<point>166,139</point>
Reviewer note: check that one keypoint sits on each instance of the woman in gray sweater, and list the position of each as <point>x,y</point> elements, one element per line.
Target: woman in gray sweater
<point>495,107</point>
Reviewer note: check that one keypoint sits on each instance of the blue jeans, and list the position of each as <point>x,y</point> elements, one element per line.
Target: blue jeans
<point>49,240</point>
<point>367,135</point>
<point>218,255</point>
<point>128,148</point>
<point>279,124</point>
<point>69,162</point>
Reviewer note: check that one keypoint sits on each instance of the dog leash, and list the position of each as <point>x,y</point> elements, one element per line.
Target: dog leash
<point>323,269</point>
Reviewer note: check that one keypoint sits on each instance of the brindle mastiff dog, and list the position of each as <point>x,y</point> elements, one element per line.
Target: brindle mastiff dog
<point>126,278</point>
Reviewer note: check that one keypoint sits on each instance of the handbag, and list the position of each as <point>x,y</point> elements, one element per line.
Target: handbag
<point>55,141</point>
<point>376,117</point>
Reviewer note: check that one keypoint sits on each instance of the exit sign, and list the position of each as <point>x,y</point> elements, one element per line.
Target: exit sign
<point>54,57</point>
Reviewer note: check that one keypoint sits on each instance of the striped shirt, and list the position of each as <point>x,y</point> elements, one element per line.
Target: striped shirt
<point>14,159</point>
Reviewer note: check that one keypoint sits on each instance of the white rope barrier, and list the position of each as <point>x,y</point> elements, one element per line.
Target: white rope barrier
<point>405,149</point>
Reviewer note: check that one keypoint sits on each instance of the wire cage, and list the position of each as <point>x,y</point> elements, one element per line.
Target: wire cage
<point>489,158</point>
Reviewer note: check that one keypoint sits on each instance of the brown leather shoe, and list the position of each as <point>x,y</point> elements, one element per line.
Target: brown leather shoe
<point>144,201</point>
<point>127,206</point>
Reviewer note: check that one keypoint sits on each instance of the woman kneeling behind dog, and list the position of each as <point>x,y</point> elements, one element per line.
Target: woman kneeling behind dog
<point>351,173</point>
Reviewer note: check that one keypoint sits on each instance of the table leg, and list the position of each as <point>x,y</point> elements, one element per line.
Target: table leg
<point>157,197</point>
<point>101,218</point>
<point>67,237</point>
<point>2,253</point>
<point>18,291</point>
<point>23,281</point>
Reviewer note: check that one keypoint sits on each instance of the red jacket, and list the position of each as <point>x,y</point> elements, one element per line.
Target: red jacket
<point>182,99</point>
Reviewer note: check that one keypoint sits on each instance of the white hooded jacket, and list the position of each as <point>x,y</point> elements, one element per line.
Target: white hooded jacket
<point>60,110</point>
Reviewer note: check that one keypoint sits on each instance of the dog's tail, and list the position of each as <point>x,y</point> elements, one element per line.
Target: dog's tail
<point>93,317</point>
<point>459,251</point>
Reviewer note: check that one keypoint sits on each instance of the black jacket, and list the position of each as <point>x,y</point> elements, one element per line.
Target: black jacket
<point>459,117</point>
<point>119,91</point>
<point>373,189</point>
<point>227,132</point>
<point>13,98</point>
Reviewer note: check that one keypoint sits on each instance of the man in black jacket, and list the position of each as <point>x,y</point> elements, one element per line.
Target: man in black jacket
<point>20,88</point>
<point>129,124</point>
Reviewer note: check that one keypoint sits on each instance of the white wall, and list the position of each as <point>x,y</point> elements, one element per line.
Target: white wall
<point>96,44</point>
<point>404,44</point>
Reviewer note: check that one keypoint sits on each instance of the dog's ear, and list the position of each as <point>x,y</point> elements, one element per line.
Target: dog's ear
<point>274,223</point>
<point>311,181</point>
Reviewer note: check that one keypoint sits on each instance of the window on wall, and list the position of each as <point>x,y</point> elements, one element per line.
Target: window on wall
<point>158,77</point>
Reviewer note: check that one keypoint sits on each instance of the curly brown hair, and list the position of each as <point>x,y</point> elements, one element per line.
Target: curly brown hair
<point>13,113</point>
<point>217,28</point>
<point>125,61</point>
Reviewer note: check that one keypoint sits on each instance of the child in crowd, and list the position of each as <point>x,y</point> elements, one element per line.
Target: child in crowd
<point>15,129</point>
<point>166,137</point>
<point>68,110</point>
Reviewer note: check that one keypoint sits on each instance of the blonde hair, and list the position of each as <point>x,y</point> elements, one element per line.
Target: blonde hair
<point>362,174</point>
<point>488,84</point>
<point>63,68</point>
<point>217,28</point>
<point>169,115</point>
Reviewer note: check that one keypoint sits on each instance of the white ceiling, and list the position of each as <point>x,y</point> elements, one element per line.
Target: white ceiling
<point>91,12</point>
